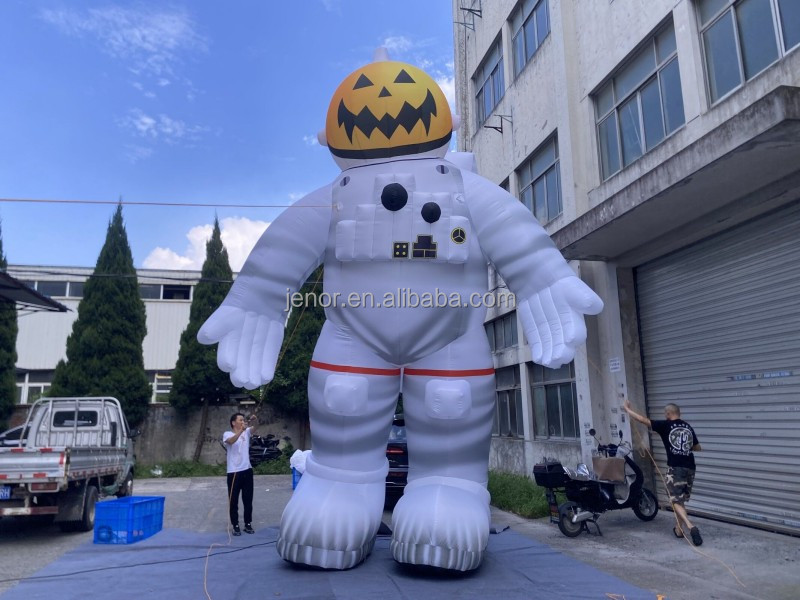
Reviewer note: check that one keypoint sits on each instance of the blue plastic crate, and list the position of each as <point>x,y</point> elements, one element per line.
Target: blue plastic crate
<point>128,520</point>
<point>296,475</point>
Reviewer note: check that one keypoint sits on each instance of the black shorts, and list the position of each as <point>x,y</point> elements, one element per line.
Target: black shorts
<point>679,484</point>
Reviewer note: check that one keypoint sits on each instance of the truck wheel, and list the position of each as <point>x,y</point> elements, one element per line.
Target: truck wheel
<point>87,522</point>
<point>126,489</point>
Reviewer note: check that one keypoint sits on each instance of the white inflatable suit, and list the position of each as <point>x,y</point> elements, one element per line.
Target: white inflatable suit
<point>399,220</point>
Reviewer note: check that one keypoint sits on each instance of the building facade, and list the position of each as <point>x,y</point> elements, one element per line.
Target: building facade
<point>658,142</point>
<point>42,337</point>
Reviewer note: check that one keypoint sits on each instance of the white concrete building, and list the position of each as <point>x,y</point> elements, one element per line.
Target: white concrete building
<point>42,338</point>
<point>658,141</point>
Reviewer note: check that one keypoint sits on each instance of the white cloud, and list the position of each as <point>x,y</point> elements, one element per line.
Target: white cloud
<point>161,127</point>
<point>448,85</point>
<point>152,41</point>
<point>332,5</point>
<point>311,140</point>
<point>239,235</point>
<point>397,44</point>
<point>145,92</point>
<point>136,153</point>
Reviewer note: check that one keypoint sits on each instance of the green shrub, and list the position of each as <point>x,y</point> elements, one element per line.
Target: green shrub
<point>518,494</point>
<point>279,466</point>
<point>179,468</point>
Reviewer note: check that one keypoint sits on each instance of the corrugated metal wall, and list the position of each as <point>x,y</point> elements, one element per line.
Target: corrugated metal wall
<point>720,333</point>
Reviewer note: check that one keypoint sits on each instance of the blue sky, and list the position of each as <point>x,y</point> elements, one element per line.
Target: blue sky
<point>193,101</point>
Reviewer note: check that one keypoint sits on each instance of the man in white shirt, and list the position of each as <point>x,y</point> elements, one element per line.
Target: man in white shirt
<point>240,472</point>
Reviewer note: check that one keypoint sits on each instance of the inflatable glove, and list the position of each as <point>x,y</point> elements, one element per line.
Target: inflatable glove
<point>250,322</point>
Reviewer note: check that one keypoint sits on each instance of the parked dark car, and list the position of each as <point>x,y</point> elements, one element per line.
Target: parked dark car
<point>10,437</point>
<point>397,454</point>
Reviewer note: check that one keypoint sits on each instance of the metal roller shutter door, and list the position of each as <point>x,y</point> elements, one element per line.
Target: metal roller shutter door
<point>720,335</point>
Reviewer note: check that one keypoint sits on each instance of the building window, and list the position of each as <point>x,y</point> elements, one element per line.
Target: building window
<point>741,39</point>
<point>508,421</point>
<point>540,188</point>
<point>156,291</point>
<point>530,25</point>
<point>162,385</point>
<point>150,291</point>
<point>555,403</point>
<point>640,105</point>
<point>489,84</point>
<point>76,289</point>
<point>177,292</point>
<point>33,385</point>
<point>502,332</point>
<point>52,288</point>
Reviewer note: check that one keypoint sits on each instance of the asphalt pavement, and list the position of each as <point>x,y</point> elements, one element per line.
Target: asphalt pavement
<point>734,563</point>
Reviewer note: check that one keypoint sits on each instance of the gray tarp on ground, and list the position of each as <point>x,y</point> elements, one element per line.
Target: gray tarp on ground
<point>171,565</point>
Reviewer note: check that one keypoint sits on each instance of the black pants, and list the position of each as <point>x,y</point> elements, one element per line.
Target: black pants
<point>241,481</point>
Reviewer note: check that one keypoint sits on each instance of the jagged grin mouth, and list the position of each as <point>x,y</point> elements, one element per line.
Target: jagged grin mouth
<point>407,118</point>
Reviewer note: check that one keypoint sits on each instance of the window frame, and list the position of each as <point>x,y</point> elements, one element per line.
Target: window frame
<point>661,64</point>
<point>165,289</point>
<point>514,426</point>
<point>162,385</point>
<point>484,79</point>
<point>531,6</point>
<point>554,166</point>
<point>730,7</point>
<point>544,383</point>
<point>491,331</point>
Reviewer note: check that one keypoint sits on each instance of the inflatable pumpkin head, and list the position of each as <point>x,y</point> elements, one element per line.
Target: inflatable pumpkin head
<point>387,109</point>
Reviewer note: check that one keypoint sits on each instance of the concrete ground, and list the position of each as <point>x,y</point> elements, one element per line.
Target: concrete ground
<point>734,563</point>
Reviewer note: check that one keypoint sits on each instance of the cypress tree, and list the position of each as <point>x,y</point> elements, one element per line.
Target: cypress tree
<point>104,350</point>
<point>288,391</point>
<point>8,350</point>
<point>196,375</point>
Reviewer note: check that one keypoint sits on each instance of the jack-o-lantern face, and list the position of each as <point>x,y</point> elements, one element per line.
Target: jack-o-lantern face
<point>387,109</point>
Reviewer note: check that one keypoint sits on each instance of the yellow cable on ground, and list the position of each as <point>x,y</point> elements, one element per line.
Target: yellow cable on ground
<point>263,395</point>
<point>646,451</point>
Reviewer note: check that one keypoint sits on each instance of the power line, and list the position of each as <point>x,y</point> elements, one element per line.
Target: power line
<point>28,274</point>
<point>130,203</point>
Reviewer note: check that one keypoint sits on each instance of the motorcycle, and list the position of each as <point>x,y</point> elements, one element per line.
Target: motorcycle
<point>617,483</point>
<point>263,449</point>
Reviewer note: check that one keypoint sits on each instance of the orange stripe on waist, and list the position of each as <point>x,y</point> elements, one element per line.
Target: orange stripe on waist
<point>394,372</point>
<point>450,372</point>
<point>350,369</point>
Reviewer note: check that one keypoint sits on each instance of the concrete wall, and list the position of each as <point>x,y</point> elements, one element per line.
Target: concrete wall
<point>167,436</point>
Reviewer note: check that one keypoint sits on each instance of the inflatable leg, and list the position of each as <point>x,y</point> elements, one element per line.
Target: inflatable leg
<point>443,518</point>
<point>335,512</point>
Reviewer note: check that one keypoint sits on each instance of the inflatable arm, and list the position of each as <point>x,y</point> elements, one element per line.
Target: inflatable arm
<point>250,322</point>
<point>551,299</point>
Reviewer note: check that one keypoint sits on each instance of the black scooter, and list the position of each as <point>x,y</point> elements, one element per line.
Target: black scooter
<point>588,497</point>
<point>263,449</point>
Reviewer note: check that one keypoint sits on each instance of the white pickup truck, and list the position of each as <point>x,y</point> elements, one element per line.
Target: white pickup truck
<point>71,452</point>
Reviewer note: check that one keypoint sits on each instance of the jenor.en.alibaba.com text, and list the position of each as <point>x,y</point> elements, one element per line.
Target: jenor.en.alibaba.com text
<point>400,298</point>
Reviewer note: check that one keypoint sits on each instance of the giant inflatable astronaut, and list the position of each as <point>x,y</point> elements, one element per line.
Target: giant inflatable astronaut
<point>399,218</point>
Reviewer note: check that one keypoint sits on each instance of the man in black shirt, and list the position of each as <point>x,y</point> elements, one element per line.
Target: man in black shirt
<point>680,442</point>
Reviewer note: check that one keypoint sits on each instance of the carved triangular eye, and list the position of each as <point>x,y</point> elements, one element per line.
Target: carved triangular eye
<point>362,82</point>
<point>403,77</point>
